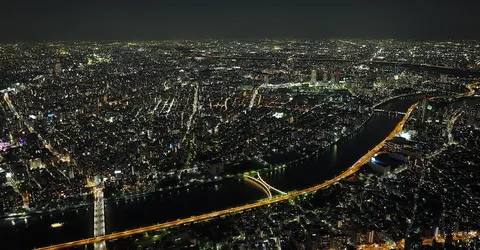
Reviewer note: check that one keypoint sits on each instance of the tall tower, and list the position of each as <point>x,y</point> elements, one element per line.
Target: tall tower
<point>313,78</point>
<point>424,110</point>
<point>371,235</point>
<point>58,68</point>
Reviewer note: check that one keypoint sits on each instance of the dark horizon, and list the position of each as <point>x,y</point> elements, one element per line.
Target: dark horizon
<point>30,20</point>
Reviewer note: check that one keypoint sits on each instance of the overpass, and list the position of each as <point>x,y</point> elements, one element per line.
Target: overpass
<point>268,185</point>
<point>354,168</point>
<point>267,188</point>
<point>259,184</point>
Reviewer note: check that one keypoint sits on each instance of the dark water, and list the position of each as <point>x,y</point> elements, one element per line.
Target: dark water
<point>35,231</point>
<point>335,159</point>
<point>180,203</point>
<point>185,202</point>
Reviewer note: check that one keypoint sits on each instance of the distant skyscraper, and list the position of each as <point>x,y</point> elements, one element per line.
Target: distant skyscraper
<point>58,68</point>
<point>424,110</point>
<point>71,174</point>
<point>371,235</point>
<point>313,78</point>
<point>332,79</point>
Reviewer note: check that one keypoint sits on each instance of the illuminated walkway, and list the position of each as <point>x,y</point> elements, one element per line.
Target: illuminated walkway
<point>363,160</point>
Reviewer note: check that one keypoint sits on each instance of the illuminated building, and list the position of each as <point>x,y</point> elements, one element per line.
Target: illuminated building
<point>313,78</point>
<point>424,110</point>
<point>371,235</point>
<point>36,163</point>
<point>325,76</point>
<point>393,146</point>
<point>58,68</point>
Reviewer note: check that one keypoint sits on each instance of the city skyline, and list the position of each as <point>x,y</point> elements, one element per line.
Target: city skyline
<point>320,124</point>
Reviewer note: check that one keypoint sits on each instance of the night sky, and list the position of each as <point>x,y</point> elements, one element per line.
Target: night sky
<point>44,20</point>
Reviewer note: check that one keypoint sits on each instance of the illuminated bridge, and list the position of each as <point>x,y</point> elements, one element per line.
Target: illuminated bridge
<point>259,182</point>
<point>268,185</point>
<point>389,112</point>
<point>354,168</point>
<point>99,217</point>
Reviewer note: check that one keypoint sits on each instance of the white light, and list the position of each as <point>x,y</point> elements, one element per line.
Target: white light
<point>117,172</point>
<point>278,115</point>
<point>9,175</point>
<point>408,135</point>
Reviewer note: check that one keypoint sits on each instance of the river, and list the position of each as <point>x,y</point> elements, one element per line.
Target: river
<point>35,231</point>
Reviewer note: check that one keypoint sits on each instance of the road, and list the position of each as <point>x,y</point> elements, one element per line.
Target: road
<point>268,185</point>
<point>354,168</point>
<point>258,184</point>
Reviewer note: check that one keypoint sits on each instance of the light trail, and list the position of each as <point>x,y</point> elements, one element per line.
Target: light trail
<point>170,107</point>
<point>269,186</point>
<point>254,95</point>
<point>259,184</point>
<point>194,111</point>
<point>154,109</point>
<point>164,105</point>
<point>354,168</point>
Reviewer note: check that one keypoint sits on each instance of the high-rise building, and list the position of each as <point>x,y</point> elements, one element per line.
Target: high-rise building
<point>424,111</point>
<point>371,236</point>
<point>313,78</point>
<point>71,173</point>
<point>58,68</point>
